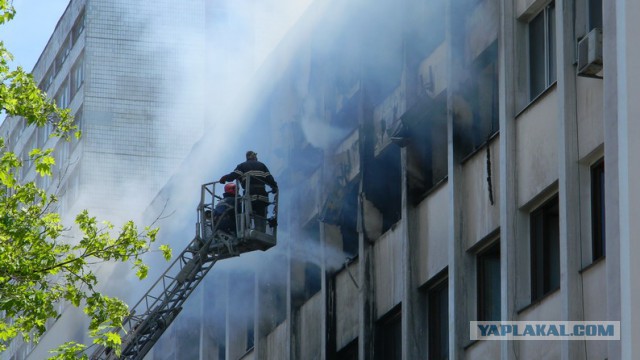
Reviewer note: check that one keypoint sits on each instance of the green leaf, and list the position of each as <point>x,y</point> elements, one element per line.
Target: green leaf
<point>166,252</point>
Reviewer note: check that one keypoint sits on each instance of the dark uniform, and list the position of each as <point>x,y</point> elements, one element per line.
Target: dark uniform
<point>224,215</point>
<point>260,176</point>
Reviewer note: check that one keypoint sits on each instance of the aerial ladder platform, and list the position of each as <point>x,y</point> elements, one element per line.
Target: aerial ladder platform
<point>157,309</point>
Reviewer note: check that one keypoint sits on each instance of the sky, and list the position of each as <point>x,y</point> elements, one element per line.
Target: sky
<point>27,34</point>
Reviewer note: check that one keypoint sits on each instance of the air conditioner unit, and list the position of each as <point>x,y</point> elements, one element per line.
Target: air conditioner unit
<point>590,54</point>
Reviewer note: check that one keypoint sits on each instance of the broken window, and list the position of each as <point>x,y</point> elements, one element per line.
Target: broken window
<point>383,185</point>
<point>476,106</point>
<point>423,130</point>
<point>341,209</point>
<point>272,290</point>
<point>305,273</point>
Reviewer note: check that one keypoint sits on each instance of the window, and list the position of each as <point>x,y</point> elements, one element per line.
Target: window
<point>545,249</point>
<point>597,211</point>
<point>78,121</point>
<point>250,335</point>
<point>77,75</point>
<point>489,283</point>
<point>26,159</point>
<point>63,96</point>
<point>595,14</point>
<point>438,312</point>
<point>389,336</point>
<point>42,135</point>
<point>341,209</point>
<point>424,128</point>
<point>542,57</point>
<point>312,272</point>
<point>78,27</point>
<point>47,80</point>
<point>64,51</point>
<point>479,98</point>
<point>382,185</point>
<point>349,352</point>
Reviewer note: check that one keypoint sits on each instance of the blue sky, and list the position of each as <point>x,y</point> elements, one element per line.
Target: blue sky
<point>27,34</point>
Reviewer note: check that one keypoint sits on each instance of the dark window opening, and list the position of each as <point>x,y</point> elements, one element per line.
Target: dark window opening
<point>489,283</point>
<point>78,27</point>
<point>215,329</point>
<point>389,336</point>
<point>311,280</point>
<point>595,14</point>
<point>349,352</point>
<point>64,51</point>
<point>347,118</point>
<point>312,271</point>
<point>341,209</point>
<point>423,130</point>
<point>476,116</point>
<point>242,295</point>
<point>273,296</point>
<point>383,185</point>
<point>542,58</point>
<point>598,235</point>
<point>545,249</point>
<point>305,275</point>
<point>438,312</point>
<point>250,334</point>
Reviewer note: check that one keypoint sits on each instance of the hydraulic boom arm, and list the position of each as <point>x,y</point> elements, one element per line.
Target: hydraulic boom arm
<point>157,309</point>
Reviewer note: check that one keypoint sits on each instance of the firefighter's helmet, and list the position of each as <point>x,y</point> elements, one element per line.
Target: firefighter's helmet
<point>230,188</point>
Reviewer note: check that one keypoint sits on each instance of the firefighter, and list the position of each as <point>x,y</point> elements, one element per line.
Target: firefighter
<point>259,176</point>
<point>224,215</point>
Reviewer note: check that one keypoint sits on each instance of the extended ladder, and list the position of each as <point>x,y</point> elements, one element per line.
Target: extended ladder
<point>157,309</point>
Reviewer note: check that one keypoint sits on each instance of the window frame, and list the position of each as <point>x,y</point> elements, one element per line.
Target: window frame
<point>548,57</point>
<point>77,75</point>
<point>544,250</point>
<point>486,254</point>
<point>438,295</point>
<point>389,335</point>
<point>594,14</point>
<point>598,214</point>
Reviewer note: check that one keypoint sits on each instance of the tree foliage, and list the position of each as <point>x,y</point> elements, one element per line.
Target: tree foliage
<point>41,267</point>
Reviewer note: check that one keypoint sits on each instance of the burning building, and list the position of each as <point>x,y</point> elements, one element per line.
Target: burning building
<point>439,163</point>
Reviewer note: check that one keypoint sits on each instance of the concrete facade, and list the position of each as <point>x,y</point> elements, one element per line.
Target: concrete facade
<point>437,151</point>
<point>408,144</point>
